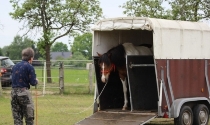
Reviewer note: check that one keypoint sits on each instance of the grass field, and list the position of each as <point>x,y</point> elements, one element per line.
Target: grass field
<point>54,109</point>
<point>71,76</point>
<point>57,109</point>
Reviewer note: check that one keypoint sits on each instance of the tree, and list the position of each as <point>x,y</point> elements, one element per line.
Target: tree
<point>59,47</point>
<point>1,54</point>
<point>190,10</point>
<point>4,50</point>
<point>83,44</point>
<point>77,56</point>
<point>37,54</point>
<point>15,48</point>
<point>145,8</point>
<point>55,19</point>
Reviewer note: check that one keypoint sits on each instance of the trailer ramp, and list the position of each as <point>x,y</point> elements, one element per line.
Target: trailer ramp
<point>117,118</point>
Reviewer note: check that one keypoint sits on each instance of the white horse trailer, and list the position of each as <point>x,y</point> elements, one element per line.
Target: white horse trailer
<point>173,82</point>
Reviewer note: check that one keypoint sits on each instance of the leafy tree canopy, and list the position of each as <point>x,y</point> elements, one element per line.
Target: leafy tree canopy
<point>55,19</point>
<point>15,48</point>
<point>83,44</point>
<point>59,47</point>
<point>1,54</point>
<point>188,10</point>
<point>145,8</point>
<point>4,50</point>
<point>77,56</point>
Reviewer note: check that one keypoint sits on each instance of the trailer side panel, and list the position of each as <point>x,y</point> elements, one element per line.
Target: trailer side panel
<point>187,78</point>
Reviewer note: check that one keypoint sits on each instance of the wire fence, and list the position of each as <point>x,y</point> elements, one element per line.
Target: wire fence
<point>76,78</point>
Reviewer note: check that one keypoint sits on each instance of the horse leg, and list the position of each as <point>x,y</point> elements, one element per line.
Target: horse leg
<point>124,83</point>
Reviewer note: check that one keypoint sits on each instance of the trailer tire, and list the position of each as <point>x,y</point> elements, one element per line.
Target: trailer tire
<point>201,114</point>
<point>185,116</point>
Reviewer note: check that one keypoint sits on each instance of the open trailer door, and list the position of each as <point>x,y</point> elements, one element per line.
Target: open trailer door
<point>117,118</point>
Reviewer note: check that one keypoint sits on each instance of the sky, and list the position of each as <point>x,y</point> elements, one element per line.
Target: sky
<point>9,28</point>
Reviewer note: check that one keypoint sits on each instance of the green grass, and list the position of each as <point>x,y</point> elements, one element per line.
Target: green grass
<point>56,109</point>
<point>53,109</point>
<point>71,76</point>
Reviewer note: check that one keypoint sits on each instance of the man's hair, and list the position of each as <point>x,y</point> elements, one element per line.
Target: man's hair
<point>27,54</point>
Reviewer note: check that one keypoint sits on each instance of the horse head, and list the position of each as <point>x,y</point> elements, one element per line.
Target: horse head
<point>106,66</point>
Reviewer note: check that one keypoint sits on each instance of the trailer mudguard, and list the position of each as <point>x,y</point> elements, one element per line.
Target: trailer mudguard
<point>177,104</point>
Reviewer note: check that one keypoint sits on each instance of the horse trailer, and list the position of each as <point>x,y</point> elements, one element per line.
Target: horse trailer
<point>173,82</point>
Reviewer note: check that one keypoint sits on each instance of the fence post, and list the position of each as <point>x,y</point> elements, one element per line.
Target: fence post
<point>61,78</point>
<point>44,76</point>
<point>90,78</point>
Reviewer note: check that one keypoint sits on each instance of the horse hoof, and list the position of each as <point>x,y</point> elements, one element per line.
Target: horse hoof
<point>124,108</point>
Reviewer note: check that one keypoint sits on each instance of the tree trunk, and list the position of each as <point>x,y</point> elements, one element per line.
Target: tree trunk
<point>48,63</point>
<point>196,11</point>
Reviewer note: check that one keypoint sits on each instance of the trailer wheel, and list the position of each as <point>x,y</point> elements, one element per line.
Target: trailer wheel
<point>201,115</point>
<point>185,116</point>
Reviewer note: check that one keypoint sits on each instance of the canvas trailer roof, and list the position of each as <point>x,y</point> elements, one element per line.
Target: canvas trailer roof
<point>172,39</point>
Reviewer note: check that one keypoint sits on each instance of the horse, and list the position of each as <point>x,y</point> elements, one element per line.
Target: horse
<point>114,59</point>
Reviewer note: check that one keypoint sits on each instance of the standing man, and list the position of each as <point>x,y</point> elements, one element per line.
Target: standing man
<point>23,75</point>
